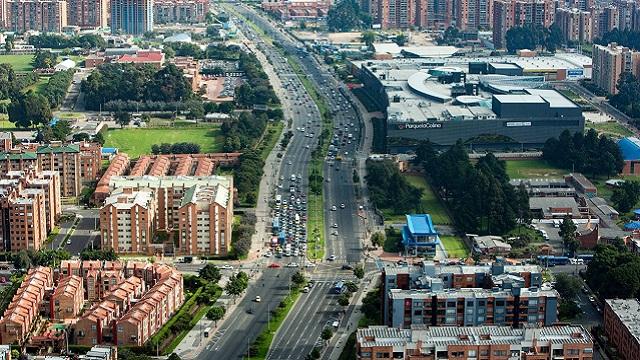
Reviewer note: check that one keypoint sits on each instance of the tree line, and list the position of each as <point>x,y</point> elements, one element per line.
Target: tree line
<point>243,132</point>
<point>56,41</point>
<point>388,189</point>
<point>479,196</point>
<point>627,99</point>
<point>347,15</point>
<point>533,36</point>
<point>256,89</point>
<point>139,84</point>
<point>177,148</point>
<point>587,153</point>
<point>628,38</point>
<point>247,176</point>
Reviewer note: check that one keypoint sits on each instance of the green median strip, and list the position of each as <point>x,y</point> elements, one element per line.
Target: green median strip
<point>260,347</point>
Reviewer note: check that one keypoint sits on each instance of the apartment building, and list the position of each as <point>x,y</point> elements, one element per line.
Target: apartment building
<point>151,312</point>
<point>181,11</point>
<point>439,14</point>
<point>29,208</point>
<point>96,324</point>
<point>17,320</point>
<point>609,62</point>
<point>36,15</point>
<point>474,15</point>
<point>622,326</point>
<point>576,25</point>
<point>134,17</point>
<point>88,14</point>
<point>421,342</point>
<point>472,307</point>
<point>118,166</point>
<point>6,138</point>
<point>128,221</point>
<point>510,13</point>
<point>182,204</point>
<point>605,19</point>
<point>68,298</point>
<point>203,221</point>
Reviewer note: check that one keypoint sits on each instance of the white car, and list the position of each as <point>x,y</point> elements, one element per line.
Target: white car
<point>334,208</point>
<point>258,299</point>
<point>342,206</point>
<point>335,226</point>
<point>226,267</point>
<point>332,258</point>
<point>310,265</point>
<point>305,289</point>
<point>292,265</point>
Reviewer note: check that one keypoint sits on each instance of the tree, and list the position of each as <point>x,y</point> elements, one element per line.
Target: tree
<point>216,313</point>
<point>368,37</point>
<point>61,129</point>
<point>8,43</point>
<point>83,136</point>
<point>30,109</point>
<point>211,273</point>
<point>343,300</point>
<point>568,234</point>
<point>358,271</point>
<point>326,334</point>
<point>174,356</point>
<point>346,15</point>
<point>298,278</point>
<point>234,288</point>
<point>568,310</point>
<point>371,306</point>
<point>21,260</point>
<point>401,39</point>
<point>315,354</point>
<point>44,59</point>
<point>377,239</point>
<point>105,254</point>
<point>122,118</point>
<point>568,286</point>
<point>626,195</point>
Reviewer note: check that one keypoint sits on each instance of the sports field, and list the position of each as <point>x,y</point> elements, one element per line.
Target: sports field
<point>20,63</point>
<point>136,142</point>
<point>429,203</point>
<point>525,169</point>
<point>455,247</point>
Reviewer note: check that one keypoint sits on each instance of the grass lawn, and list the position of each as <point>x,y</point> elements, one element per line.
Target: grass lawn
<point>261,346</point>
<point>38,87</point>
<point>610,128</point>
<point>19,63</point>
<point>524,169</point>
<point>5,123</point>
<point>270,138</point>
<point>315,227</point>
<point>136,142</point>
<point>455,247</point>
<point>429,202</point>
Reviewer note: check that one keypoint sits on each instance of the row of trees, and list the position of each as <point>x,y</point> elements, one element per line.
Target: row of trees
<point>247,176</point>
<point>177,148</point>
<point>627,99</point>
<point>243,132</point>
<point>257,89</point>
<point>389,189</point>
<point>140,84</point>
<point>57,86</point>
<point>347,15</point>
<point>587,153</point>
<point>215,52</point>
<point>242,233</point>
<point>628,38</point>
<point>480,197</point>
<point>626,195</point>
<point>25,259</point>
<point>533,36</point>
<point>56,41</point>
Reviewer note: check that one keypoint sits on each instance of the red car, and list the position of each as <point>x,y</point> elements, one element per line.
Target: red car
<point>274,266</point>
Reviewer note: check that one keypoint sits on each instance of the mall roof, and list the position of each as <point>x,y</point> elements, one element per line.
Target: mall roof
<point>630,147</point>
<point>554,98</point>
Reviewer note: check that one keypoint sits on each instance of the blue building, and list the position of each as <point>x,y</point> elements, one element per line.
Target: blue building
<point>419,236</point>
<point>133,17</point>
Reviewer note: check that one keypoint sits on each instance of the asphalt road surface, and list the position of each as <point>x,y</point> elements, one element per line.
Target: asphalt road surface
<point>233,338</point>
<point>301,330</point>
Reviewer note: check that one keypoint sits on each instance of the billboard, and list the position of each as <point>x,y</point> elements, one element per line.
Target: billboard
<point>414,126</point>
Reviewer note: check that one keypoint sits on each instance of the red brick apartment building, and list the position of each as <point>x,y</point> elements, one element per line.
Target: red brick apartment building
<point>67,299</point>
<point>485,342</point>
<point>622,326</point>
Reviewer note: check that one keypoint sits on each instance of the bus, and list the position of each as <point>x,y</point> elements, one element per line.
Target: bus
<point>585,257</point>
<point>338,287</point>
<point>550,260</point>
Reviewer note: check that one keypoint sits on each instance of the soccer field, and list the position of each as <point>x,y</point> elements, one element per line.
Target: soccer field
<point>136,142</point>
<point>19,63</point>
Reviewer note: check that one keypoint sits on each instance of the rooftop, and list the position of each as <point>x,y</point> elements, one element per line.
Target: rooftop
<point>630,147</point>
<point>420,224</point>
<point>628,311</point>
<point>469,293</point>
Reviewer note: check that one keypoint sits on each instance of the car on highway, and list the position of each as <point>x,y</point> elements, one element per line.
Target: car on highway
<point>332,258</point>
<point>292,265</point>
<point>258,298</point>
<point>68,242</point>
<point>347,267</point>
<point>335,226</point>
<point>305,289</point>
<point>274,265</point>
<point>226,267</point>
<point>334,208</point>
<point>342,206</point>
<point>310,265</point>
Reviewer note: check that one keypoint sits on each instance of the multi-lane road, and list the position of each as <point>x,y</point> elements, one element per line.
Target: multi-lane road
<point>314,311</point>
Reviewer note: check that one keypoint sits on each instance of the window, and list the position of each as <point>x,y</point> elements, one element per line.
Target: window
<point>94,341</point>
<point>120,328</point>
<point>500,353</point>
<point>93,327</point>
<point>471,353</point>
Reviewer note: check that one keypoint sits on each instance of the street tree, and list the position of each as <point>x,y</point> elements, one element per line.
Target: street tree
<point>568,234</point>
<point>568,286</point>
<point>216,313</point>
<point>326,334</point>
<point>298,278</point>
<point>377,239</point>
<point>210,273</point>
<point>122,118</point>
<point>358,271</point>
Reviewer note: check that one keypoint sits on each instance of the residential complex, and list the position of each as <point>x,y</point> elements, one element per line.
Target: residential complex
<point>474,14</point>
<point>180,11</point>
<point>622,326</point>
<point>134,17</point>
<point>125,303</point>
<point>37,15</point>
<point>485,342</point>
<point>472,307</point>
<point>77,164</point>
<point>197,209</point>
<point>610,62</point>
<point>30,207</point>
<point>510,13</point>
<point>296,9</point>
<point>88,14</point>
<point>576,25</point>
